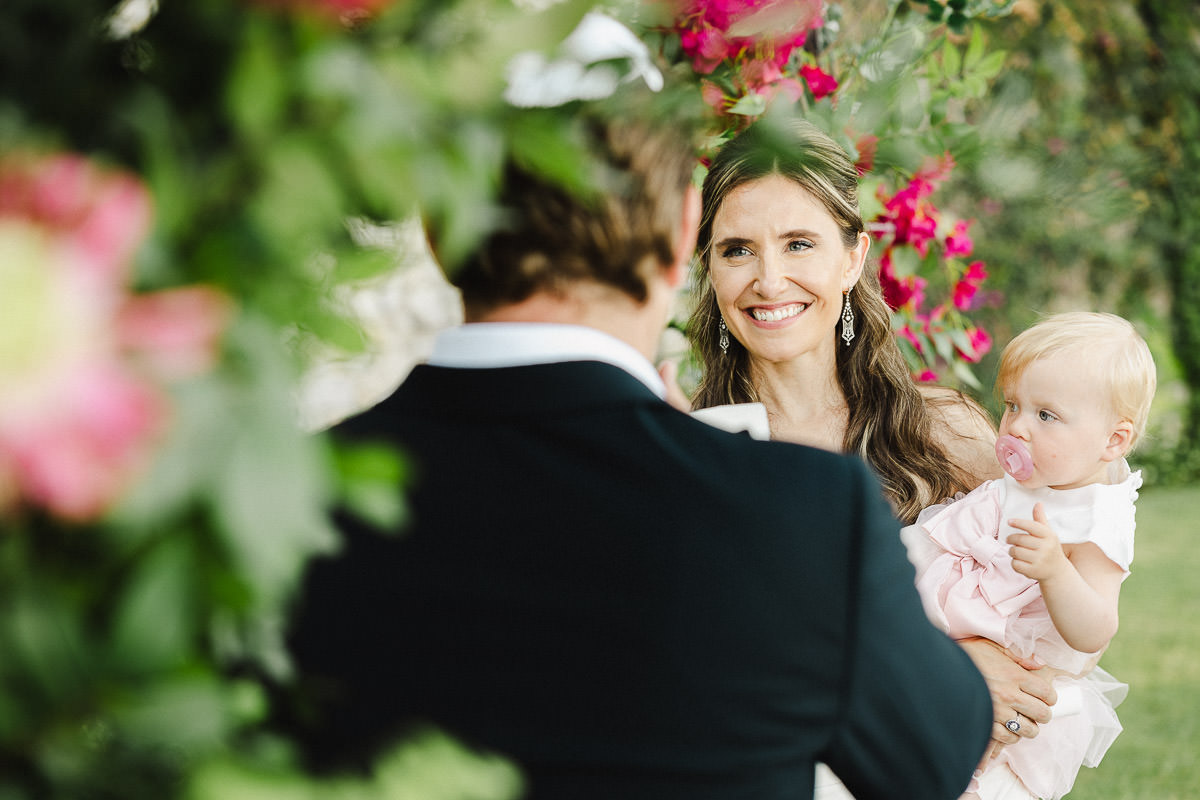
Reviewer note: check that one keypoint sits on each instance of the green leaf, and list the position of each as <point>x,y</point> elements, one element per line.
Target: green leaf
<point>975,50</point>
<point>550,146</point>
<point>362,263</point>
<point>991,65</point>
<point>906,261</point>
<point>300,197</point>
<point>154,622</point>
<point>951,60</point>
<point>257,90</point>
<point>964,374</point>
<point>749,105</point>
<point>373,479</point>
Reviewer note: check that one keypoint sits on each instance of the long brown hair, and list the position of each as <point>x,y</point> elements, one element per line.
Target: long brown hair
<point>890,424</point>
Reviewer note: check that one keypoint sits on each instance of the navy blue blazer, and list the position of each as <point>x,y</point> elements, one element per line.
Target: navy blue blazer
<point>629,603</point>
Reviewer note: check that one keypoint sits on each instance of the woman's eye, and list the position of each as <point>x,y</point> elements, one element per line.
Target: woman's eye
<point>798,245</point>
<point>737,251</point>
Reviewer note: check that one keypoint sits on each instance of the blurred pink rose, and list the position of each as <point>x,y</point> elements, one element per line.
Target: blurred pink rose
<point>80,405</point>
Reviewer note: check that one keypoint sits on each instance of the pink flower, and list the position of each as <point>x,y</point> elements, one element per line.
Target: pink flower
<point>867,146</point>
<point>707,47</point>
<point>174,332</point>
<point>713,96</point>
<point>79,410</point>
<point>819,82</point>
<point>907,334</point>
<point>907,291</point>
<point>758,74</point>
<point>714,31</point>
<point>346,12</point>
<point>928,376</point>
<point>81,449</point>
<point>959,243</point>
<point>913,218</point>
<point>968,286</point>
<point>981,343</point>
<point>935,170</point>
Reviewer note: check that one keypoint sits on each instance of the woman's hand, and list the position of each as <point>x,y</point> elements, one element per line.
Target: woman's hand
<point>1021,693</point>
<point>669,372</point>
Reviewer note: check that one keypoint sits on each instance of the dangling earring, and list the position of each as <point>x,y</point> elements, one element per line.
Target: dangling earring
<point>847,318</point>
<point>723,341</point>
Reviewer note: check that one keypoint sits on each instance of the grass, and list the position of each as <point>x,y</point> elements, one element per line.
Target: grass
<point>1157,652</point>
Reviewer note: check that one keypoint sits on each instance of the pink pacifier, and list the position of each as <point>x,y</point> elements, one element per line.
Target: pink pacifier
<point>1014,457</point>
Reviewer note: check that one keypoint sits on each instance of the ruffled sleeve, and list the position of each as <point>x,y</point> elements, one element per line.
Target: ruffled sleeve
<point>1099,513</point>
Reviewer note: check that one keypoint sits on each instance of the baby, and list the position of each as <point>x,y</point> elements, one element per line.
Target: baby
<point>1034,561</point>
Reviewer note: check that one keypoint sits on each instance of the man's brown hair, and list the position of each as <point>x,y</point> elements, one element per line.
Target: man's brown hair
<point>615,233</point>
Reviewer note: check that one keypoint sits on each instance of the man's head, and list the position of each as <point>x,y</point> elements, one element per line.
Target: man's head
<point>620,235</point>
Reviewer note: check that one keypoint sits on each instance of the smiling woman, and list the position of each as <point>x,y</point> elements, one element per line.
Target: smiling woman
<point>780,272</point>
<point>783,284</point>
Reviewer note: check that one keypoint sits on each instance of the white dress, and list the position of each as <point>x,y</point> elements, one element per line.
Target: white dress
<point>969,588</point>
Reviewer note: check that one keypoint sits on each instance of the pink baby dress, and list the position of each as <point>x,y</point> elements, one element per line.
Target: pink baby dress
<point>969,588</point>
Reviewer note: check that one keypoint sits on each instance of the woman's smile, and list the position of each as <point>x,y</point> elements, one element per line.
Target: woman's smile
<point>770,316</point>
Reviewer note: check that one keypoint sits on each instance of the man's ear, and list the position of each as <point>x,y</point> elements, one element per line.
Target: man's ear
<point>1119,441</point>
<point>685,245</point>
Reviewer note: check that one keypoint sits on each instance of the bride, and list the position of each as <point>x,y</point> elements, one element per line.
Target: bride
<point>788,317</point>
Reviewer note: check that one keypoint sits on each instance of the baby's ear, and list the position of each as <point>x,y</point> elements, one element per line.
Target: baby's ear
<point>1119,441</point>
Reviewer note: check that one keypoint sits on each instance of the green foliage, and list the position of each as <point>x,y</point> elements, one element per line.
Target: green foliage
<point>1156,755</point>
<point>1087,185</point>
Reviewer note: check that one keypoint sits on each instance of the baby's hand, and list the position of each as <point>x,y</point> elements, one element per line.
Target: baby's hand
<point>1037,553</point>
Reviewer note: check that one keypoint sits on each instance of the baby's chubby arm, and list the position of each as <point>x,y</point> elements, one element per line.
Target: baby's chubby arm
<point>1080,589</point>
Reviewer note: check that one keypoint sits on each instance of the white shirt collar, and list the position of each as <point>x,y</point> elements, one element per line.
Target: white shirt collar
<point>514,344</point>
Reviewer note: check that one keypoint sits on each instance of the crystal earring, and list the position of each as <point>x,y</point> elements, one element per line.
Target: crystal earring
<point>723,340</point>
<point>847,319</point>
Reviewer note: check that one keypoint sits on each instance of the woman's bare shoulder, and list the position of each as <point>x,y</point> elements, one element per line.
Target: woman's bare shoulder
<point>964,430</point>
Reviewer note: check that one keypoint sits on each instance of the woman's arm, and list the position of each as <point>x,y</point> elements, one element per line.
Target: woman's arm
<point>1081,590</point>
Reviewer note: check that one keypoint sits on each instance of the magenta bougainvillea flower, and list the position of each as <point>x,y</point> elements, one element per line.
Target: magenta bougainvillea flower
<point>967,288</point>
<point>981,343</point>
<point>81,359</point>
<point>714,31</point>
<point>959,243</point>
<point>820,83</point>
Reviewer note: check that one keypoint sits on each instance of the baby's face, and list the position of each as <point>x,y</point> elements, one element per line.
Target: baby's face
<point>1062,413</point>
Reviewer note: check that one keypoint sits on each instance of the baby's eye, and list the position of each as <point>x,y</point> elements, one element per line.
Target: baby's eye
<point>736,251</point>
<point>1010,406</point>
<point>1046,416</point>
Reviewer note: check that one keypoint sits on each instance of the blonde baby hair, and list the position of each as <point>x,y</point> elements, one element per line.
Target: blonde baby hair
<point>1104,342</point>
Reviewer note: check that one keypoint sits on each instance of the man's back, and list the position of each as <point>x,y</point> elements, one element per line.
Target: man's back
<point>630,604</point>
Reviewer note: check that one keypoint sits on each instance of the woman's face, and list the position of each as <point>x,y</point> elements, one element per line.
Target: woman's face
<point>778,267</point>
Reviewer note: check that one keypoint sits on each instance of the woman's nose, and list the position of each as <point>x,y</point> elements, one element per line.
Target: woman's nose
<point>770,280</point>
